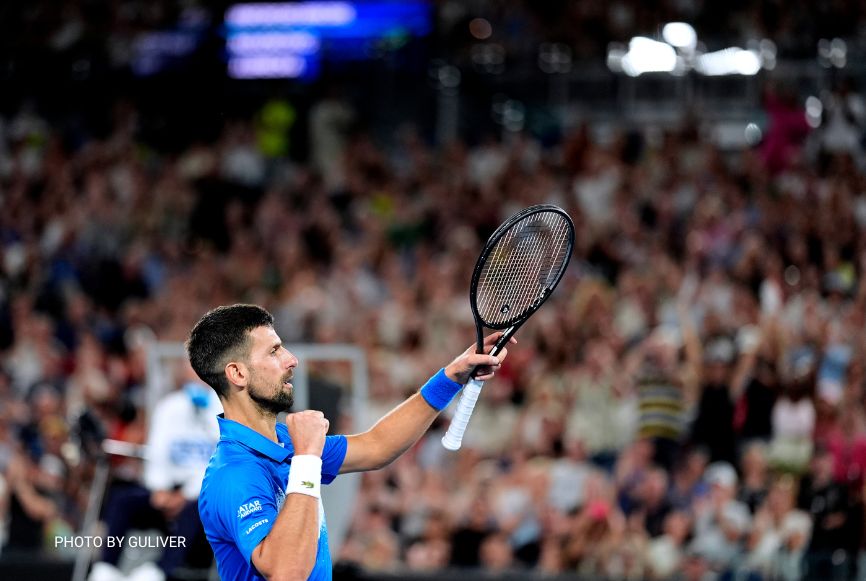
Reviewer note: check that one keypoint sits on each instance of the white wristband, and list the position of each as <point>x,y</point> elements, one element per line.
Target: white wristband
<point>305,476</point>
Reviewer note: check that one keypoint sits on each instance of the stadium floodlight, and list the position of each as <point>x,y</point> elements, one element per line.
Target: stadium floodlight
<point>681,35</point>
<point>838,53</point>
<point>480,28</point>
<point>814,110</point>
<point>554,57</point>
<point>832,53</point>
<point>448,76</point>
<point>767,50</point>
<point>729,61</point>
<point>646,55</point>
<point>747,62</point>
<point>616,51</point>
<point>752,134</point>
<point>680,53</point>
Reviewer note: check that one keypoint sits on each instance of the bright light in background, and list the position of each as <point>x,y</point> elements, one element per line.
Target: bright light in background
<point>554,57</point>
<point>293,39</point>
<point>294,42</point>
<point>480,28</point>
<point>292,14</point>
<point>267,67</point>
<point>752,134</point>
<point>730,61</point>
<point>489,58</point>
<point>448,76</point>
<point>680,54</point>
<point>767,50</point>
<point>646,55</point>
<point>814,110</point>
<point>747,62</point>
<point>838,53</point>
<point>680,35</point>
<point>615,53</point>
<point>832,53</point>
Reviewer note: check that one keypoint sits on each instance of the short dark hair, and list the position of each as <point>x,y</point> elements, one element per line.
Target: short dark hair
<point>222,334</point>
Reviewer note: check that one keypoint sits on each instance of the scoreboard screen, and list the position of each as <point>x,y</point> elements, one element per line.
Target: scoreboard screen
<point>293,39</point>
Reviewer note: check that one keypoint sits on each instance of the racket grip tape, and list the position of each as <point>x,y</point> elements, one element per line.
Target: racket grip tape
<point>454,437</point>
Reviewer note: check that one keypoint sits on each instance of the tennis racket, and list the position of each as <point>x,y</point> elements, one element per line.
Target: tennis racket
<point>521,264</point>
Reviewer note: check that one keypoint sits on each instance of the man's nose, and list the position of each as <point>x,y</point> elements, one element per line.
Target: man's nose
<point>291,361</point>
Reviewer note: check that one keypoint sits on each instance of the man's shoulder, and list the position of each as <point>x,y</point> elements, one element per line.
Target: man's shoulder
<point>229,469</point>
<point>232,458</point>
<point>231,475</point>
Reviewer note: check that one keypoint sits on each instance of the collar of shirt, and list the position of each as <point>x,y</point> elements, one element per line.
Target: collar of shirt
<point>231,430</point>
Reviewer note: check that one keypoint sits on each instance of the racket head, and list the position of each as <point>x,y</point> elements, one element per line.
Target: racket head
<point>520,266</point>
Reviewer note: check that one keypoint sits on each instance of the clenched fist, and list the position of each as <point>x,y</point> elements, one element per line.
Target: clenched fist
<point>307,430</point>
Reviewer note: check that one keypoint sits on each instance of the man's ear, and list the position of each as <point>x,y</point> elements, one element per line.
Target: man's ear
<point>237,373</point>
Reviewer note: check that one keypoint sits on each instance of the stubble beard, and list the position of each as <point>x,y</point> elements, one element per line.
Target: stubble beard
<point>273,401</point>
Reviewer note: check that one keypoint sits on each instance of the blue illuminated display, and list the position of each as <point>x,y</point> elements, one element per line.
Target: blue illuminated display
<point>289,40</point>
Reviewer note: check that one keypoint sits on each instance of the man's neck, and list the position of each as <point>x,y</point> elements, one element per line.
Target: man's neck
<point>245,412</point>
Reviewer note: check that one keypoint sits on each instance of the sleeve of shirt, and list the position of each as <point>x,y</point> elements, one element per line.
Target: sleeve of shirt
<point>247,507</point>
<point>332,457</point>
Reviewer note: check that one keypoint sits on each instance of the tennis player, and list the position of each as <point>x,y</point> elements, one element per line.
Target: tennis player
<point>260,501</point>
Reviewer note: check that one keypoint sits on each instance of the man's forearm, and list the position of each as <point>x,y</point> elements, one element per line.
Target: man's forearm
<point>400,428</point>
<point>405,424</point>
<point>289,550</point>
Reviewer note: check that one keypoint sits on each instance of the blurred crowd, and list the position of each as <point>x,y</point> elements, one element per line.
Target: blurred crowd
<point>690,402</point>
<point>691,405</point>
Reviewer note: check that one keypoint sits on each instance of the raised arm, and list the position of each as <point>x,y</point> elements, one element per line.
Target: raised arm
<point>745,366</point>
<point>288,552</point>
<point>694,354</point>
<point>405,424</point>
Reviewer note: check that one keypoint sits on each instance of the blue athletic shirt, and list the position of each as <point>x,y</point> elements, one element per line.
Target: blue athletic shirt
<point>243,490</point>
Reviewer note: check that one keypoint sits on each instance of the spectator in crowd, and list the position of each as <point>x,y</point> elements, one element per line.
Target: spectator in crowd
<point>375,546</point>
<point>666,553</point>
<point>653,506</point>
<point>182,436</point>
<point>567,476</point>
<point>470,533</point>
<point>779,534</point>
<point>713,426</point>
<point>794,421</point>
<point>755,476</point>
<point>831,547</point>
<point>594,531</point>
<point>688,483</point>
<point>603,412</point>
<point>34,496</point>
<point>663,387</point>
<point>497,556</point>
<point>721,521</point>
<point>755,408</point>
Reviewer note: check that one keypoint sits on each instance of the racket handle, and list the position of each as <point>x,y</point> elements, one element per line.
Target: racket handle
<point>454,437</point>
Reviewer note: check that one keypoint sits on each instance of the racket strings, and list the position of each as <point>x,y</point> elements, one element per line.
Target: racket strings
<point>514,290</point>
<point>510,263</point>
<point>505,284</point>
<point>544,260</point>
<point>525,262</point>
